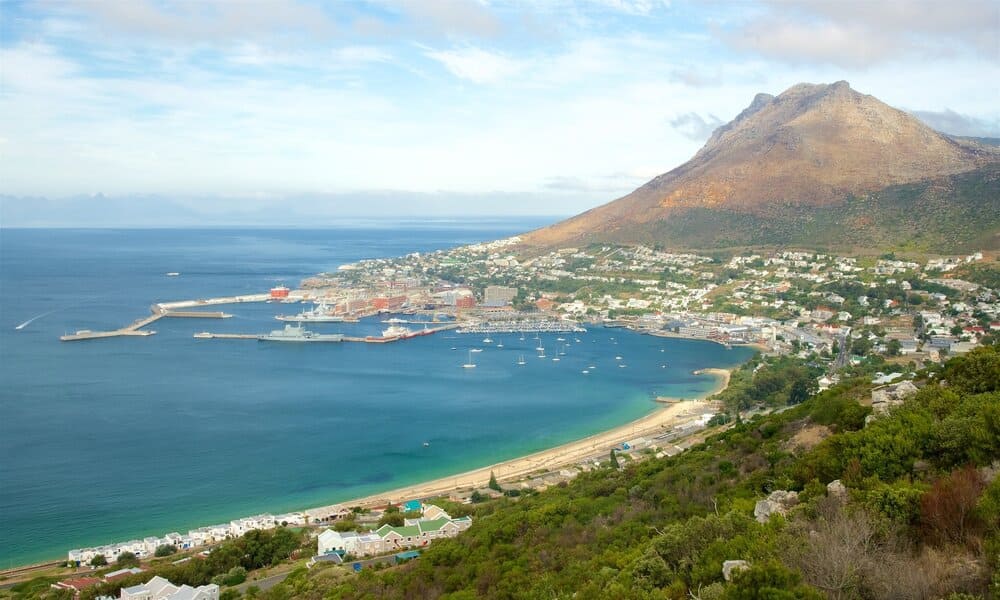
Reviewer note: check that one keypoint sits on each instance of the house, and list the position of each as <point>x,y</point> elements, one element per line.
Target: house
<point>76,585</point>
<point>122,573</point>
<point>159,588</point>
<point>433,524</point>
<point>348,542</point>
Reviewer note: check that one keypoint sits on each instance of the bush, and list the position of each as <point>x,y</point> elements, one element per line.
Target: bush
<point>769,581</point>
<point>98,561</point>
<point>948,510</point>
<point>127,559</point>
<point>165,550</point>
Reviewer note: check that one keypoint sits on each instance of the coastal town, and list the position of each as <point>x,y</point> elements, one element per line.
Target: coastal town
<point>882,316</point>
<point>789,302</point>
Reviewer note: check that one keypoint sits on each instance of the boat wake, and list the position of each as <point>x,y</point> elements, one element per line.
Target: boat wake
<point>35,318</point>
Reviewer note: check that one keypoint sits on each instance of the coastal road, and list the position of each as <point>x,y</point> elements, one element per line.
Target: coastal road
<point>263,584</point>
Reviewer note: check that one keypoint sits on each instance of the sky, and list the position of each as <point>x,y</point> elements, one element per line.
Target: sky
<point>300,112</point>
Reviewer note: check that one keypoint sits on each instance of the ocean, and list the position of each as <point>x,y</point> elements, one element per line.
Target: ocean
<point>115,439</point>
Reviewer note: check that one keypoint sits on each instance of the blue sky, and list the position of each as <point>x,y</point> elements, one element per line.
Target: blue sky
<point>223,109</point>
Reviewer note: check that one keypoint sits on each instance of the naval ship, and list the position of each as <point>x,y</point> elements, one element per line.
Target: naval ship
<point>295,333</point>
<point>319,314</point>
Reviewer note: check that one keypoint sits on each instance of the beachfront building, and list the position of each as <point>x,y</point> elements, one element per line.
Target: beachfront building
<point>434,523</point>
<point>159,588</point>
<point>196,537</point>
<point>348,542</point>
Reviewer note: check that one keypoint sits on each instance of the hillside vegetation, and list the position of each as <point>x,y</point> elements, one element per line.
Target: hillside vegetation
<point>959,213</point>
<point>921,518</point>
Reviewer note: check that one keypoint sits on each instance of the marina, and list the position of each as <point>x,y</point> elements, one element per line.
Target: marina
<point>537,326</point>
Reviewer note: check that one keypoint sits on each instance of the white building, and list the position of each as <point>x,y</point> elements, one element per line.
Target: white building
<point>159,588</point>
<point>434,523</point>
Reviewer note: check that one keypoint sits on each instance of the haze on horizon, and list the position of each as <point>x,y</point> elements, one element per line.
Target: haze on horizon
<point>289,112</point>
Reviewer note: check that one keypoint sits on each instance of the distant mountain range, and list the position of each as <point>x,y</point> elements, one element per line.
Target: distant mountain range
<point>817,166</point>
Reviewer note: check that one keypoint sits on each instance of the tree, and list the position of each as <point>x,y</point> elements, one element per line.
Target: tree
<point>165,550</point>
<point>127,559</point>
<point>769,581</point>
<point>893,347</point>
<point>493,485</point>
<point>391,517</point>
<point>614,460</point>
<point>98,561</point>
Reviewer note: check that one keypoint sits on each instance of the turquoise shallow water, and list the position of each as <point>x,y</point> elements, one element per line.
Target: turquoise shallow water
<point>110,440</point>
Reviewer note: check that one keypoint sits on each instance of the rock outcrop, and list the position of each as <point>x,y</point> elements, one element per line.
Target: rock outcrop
<point>778,502</point>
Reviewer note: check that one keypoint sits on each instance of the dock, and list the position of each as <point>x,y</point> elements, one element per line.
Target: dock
<point>136,327</point>
<point>206,335</point>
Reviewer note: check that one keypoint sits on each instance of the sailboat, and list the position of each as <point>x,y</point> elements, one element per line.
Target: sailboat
<point>539,347</point>
<point>563,351</point>
<point>470,364</point>
<point>500,344</point>
<point>520,360</point>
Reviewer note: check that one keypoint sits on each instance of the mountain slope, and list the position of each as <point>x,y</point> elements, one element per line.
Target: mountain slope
<point>804,155</point>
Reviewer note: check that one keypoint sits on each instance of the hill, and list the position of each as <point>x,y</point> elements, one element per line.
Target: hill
<point>818,165</point>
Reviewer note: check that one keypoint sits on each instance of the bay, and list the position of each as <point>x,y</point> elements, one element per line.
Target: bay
<point>110,440</point>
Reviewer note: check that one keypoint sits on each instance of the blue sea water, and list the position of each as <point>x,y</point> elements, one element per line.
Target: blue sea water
<point>110,440</point>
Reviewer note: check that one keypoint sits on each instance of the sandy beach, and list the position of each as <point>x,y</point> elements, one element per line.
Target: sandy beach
<point>655,423</point>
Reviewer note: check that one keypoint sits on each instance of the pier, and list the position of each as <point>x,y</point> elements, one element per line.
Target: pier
<point>136,327</point>
<point>206,335</point>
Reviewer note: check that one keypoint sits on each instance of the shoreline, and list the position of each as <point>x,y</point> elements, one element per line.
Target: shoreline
<point>658,421</point>
<point>667,414</point>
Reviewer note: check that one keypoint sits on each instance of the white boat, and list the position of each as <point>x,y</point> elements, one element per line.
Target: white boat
<point>204,335</point>
<point>621,366</point>
<point>487,340</point>
<point>521,360</point>
<point>559,339</point>
<point>555,359</point>
<point>394,320</point>
<point>618,358</point>
<point>500,344</point>
<point>395,331</point>
<point>585,372</point>
<point>173,274</point>
<point>470,364</point>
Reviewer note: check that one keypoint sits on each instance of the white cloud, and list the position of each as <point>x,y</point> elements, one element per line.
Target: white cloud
<point>860,34</point>
<point>477,65</point>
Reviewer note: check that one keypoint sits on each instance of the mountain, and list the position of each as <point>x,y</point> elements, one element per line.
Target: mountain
<point>818,165</point>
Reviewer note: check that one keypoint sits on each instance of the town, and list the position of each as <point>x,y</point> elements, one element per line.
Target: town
<point>845,310</point>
